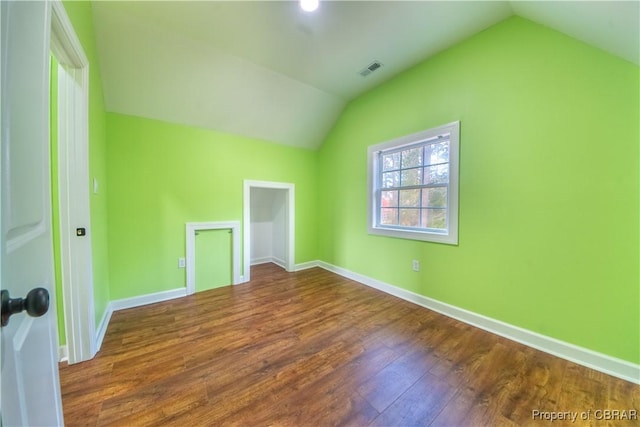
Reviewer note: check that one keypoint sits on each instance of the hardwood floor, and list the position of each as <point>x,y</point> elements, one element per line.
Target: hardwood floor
<point>315,349</point>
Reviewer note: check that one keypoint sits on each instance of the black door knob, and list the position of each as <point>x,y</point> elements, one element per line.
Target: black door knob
<point>36,304</point>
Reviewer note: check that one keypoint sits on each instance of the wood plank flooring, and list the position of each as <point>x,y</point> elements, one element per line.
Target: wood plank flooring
<point>315,349</point>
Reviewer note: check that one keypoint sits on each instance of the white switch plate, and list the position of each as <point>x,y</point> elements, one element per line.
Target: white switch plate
<point>182,263</point>
<point>416,265</point>
<point>95,186</point>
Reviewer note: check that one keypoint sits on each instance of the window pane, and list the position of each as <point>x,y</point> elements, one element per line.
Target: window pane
<point>389,216</point>
<point>410,217</point>
<point>411,177</point>
<point>437,153</point>
<point>412,157</point>
<point>389,199</point>
<point>434,218</point>
<point>391,162</point>
<point>436,174</point>
<point>412,187</point>
<point>410,198</point>
<point>434,197</point>
<point>390,179</point>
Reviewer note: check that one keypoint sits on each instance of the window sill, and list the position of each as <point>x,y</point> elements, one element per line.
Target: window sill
<point>425,236</point>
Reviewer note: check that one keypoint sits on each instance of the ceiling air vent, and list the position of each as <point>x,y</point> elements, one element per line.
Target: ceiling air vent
<point>371,68</point>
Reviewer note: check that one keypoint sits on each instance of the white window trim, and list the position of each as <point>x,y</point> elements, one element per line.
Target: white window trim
<point>449,237</point>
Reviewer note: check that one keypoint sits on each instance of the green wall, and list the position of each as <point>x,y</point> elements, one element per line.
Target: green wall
<point>548,185</point>
<point>213,259</point>
<point>55,200</point>
<point>81,17</point>
<point>163,175</point>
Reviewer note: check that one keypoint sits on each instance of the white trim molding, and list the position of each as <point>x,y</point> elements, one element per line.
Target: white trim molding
<point>104,324</point>
<point>271,259</point>
<point>63,353</point>
<point>583,356</point>
<point>73,176</point>
<point>191,229</point>
<point>125,303</point>
<point>307,265</point>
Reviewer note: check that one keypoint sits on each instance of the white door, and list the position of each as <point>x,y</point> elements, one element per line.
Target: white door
<point>30,383</point>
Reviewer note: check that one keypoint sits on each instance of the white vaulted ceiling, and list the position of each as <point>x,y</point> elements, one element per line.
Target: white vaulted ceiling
<point>270,71</point>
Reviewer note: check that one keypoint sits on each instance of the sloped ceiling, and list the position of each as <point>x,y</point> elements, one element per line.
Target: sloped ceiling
<point>270,71</point>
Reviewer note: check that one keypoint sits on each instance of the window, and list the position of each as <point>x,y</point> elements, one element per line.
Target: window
<point>413,186</point>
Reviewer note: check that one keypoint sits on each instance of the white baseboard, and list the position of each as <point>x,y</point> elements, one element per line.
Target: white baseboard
<point>263,260</point>
<point>269,259</point>
<point>102,327</point>
<point>125,303</point>
<point>122,304</point>
<point>279,262</point>
<point>63,353</point>
<point>583,356</point>
<point>306,265</point>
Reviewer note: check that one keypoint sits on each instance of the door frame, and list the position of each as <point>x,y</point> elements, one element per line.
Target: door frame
<point>191,229</point>
<point>73,179</point>
<point>290,218</point>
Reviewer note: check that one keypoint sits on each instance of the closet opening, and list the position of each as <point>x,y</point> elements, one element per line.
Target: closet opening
<point>268,225</point>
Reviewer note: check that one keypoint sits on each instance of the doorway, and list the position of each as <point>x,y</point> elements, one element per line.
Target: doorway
<point>269,225</point>
<point>268,215</point>
<point>73,213</point>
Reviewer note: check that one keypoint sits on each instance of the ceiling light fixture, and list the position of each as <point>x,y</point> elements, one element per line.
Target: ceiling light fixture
<point>309,5</point>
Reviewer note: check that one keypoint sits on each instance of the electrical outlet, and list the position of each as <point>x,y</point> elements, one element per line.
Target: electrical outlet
<point>416,265</point>
<point>182,263</point>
